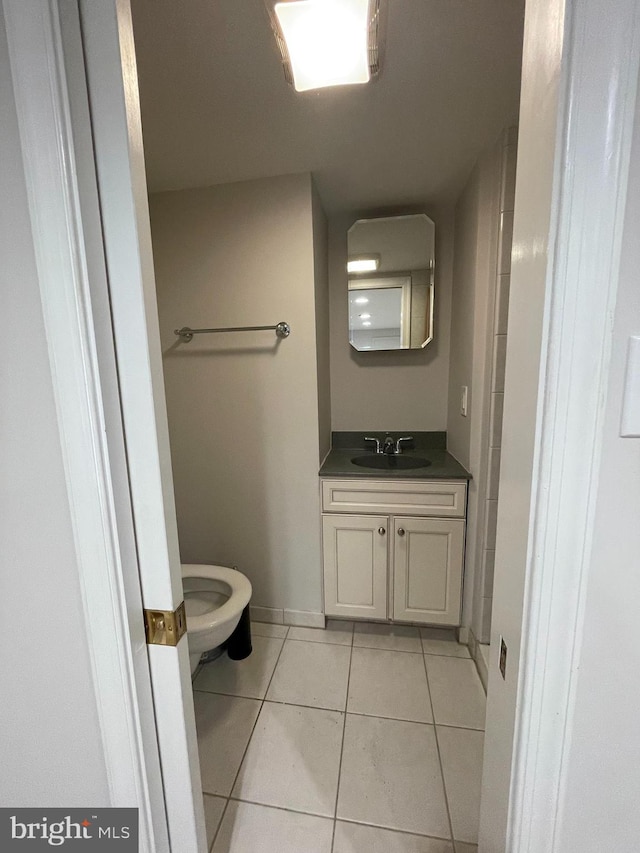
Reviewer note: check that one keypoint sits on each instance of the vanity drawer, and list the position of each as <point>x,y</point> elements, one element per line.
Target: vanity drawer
<point>401,497</point>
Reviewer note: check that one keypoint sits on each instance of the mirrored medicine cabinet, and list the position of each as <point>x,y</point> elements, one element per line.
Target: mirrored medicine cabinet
<point>390,269</point>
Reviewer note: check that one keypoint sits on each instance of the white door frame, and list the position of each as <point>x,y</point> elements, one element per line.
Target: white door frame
<point>596,94</point>
<point>112,83</point>
<point>75,89</point>
<point>601,65</point>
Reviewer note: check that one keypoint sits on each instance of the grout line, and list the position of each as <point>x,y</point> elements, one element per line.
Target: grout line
<point>435,733</point>
<point>339,711</point>
<point>316,643</point>
<point>393,719</point>
<point>382,649</point>
<point>219,797</point>
<point>342,819</point>
<point>445,655</point>
<point>459,728</point>
<point>392,829</point>
<point>224,811</point>
<point>253,728</point>
<point>344,728</point>
<point>280,808</point>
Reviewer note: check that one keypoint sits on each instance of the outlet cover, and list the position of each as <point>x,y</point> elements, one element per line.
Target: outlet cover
<point>464,399</point>
<point>503,658</point>
<point>630,424</point>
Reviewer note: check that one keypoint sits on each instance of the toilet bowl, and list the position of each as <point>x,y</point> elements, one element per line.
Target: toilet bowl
<point>214,598</point>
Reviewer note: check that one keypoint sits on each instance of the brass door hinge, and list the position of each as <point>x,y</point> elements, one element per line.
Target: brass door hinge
<point>165,627</point>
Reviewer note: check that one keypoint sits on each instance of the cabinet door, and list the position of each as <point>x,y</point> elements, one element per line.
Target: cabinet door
<point>427,559</point>
<point>355,565</point>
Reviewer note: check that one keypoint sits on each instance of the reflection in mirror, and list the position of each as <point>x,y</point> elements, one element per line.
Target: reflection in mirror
<point>390,267</point>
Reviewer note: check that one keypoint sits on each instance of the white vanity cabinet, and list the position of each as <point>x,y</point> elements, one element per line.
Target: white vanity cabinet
<point>394,550</point>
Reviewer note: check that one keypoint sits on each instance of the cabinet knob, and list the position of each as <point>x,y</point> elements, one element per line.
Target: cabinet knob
<point>381,531</point>
<point>401,531</point>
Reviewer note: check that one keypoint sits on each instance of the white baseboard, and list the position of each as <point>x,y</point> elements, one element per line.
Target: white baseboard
<point>479,653</point>
<point>279,616</point>
<point>463,634</point>
<point>472,642</point>
<point>304,618</point>
<point>274,615</point>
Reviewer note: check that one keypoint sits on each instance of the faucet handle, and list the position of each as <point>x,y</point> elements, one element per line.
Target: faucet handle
<point>377,441</point>
<point>405,438</point>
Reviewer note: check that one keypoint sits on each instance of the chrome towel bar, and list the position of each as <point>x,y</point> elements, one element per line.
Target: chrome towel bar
<point>282,330</point>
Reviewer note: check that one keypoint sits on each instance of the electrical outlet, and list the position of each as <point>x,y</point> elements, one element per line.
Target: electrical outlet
<point>464,397</point>
<point>503,658</point>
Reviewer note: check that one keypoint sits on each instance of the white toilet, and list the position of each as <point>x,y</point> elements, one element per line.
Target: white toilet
<point>214,598</point>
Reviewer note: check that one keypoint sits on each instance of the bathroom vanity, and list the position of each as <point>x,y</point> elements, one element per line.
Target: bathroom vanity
<point>393,538</point>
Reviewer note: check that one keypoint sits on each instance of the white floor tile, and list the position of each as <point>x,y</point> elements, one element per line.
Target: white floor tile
<point>437,641</point>
<point>391,776</point>
<point>267,629</point>
<point>389,684</point>
<point>456,692</point>
<point>358,838</point>
<point>293,759</point>
<point>461,847</point>
<point>213,808</point>
<point>248,828</point>
<point>314,674</point>
<point>399,638</point>
<point>461,754</point>
<point>224,725</point>
<point>340,633</point>
<point>249,677</point>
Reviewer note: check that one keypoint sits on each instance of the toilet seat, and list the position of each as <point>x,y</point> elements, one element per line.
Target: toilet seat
<point>237,588</point>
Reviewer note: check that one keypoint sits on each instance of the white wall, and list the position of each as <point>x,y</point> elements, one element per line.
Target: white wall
<point>600,798</point>
<point>51,752</point>
<point>390,390</point>
<point>542,57</point>
<point>244,408</point>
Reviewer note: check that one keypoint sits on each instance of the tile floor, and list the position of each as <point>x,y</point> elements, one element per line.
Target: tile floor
<point>355,739</point>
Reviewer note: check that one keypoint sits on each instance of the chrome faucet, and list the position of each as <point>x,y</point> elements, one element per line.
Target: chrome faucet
<point>377,441</point>
<point>389,446</point>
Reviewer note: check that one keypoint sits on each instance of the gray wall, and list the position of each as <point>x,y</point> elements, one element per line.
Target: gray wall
<point>476,240</point>
<point>484,225</point>
<point>51,743</point>
<point>321,285</point>
<point>244,408</point>
<point>389,391</point>
<point>477,226</point>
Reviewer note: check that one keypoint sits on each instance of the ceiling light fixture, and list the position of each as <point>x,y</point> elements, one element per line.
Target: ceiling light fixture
<point>363,263</point>
<point>327,42</point>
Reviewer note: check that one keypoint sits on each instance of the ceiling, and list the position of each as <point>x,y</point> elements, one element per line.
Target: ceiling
<point>216,107</point>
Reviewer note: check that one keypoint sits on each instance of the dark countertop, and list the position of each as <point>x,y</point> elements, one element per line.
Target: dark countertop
<point>429,445</point>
